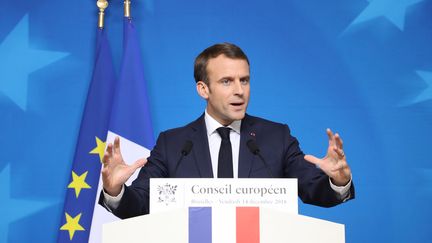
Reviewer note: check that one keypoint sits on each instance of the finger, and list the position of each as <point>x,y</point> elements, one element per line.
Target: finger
<point>105,160</point>
<point>139,163</point>
<point>107,155</point>
<point>339,142</point>
<point>312,159</point>
<point>330,137</point>
<point>339,152</point>
<point>116,144</point>
<point>109,149</point>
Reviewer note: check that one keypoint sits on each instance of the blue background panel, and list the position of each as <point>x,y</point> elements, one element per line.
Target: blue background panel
<point>362,68</point>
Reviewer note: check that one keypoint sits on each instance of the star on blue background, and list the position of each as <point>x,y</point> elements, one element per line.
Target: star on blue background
<point>19,60</point>
<point>393,10</point>
<point>13,209</point>
<point>426,94</point>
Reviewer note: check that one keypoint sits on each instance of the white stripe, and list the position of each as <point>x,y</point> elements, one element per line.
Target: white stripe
<point>224,224</point>
<point>131,152</point>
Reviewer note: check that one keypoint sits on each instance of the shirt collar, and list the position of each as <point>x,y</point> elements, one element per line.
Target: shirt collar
<point>212,124</point>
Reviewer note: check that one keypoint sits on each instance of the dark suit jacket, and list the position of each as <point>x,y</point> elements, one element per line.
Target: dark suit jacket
<point>277,146</point>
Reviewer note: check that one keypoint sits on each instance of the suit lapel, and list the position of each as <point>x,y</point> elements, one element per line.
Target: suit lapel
<point>200,149</point>
<point>246,158</point>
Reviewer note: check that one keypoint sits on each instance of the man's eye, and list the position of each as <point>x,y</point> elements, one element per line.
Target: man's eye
<point>244,81</point>
<point>225,82</point>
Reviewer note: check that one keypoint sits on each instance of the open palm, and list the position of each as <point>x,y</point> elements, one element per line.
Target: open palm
<point>334,164</point>
<point>115,171</point>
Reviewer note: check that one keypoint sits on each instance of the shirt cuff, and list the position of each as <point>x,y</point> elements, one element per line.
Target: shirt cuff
<point>111,202</point>
<point>342,191</point>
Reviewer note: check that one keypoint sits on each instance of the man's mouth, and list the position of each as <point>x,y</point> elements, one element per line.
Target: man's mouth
<point>237,104</point>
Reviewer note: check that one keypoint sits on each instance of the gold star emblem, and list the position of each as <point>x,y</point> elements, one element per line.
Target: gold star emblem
<point>78,183</point>
<point>100,148</point>
<point>72,225</point>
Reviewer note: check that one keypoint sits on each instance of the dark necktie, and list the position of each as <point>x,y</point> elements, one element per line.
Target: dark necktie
<point>225,164</point>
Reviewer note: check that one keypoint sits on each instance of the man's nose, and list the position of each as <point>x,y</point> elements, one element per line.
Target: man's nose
<point>238,88</point>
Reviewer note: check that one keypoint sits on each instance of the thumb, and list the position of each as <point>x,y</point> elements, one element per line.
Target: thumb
<point>312,159</point>
<point>139,163</point>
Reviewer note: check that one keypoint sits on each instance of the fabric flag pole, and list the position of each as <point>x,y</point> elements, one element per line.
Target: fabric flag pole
<point>130,117</point>
<point>82,189</point>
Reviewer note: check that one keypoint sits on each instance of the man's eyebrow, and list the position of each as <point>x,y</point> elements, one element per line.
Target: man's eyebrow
<point>226,77</point>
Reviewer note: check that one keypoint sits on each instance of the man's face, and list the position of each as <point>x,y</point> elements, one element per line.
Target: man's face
<point>228,91</point>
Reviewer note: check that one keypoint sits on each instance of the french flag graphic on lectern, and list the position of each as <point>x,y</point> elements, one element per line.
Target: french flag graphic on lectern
<point>228,225</point>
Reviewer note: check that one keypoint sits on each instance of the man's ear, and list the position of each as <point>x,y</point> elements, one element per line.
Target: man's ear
<point>202,89</point>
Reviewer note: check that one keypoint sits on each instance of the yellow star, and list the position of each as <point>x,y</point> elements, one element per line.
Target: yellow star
<point>100,148</point>
<point>78,182</point>
<point>72,225</point>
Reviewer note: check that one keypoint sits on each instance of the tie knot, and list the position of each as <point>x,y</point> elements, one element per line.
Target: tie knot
<point>224,132</point>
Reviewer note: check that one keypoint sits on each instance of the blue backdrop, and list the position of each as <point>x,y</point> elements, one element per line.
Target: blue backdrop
<point>362,68</point>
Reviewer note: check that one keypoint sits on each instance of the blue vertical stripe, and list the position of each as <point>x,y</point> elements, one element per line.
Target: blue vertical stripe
<point>200,226</point>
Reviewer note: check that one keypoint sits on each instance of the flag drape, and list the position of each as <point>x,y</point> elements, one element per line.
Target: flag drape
<point>130,113</point>
<point>130,117</point>
<point>86,166</point>
<point>113,109</point>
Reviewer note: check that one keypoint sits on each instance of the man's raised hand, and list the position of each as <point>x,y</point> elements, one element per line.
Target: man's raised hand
<point>115,171</point>
<point>334,164</point>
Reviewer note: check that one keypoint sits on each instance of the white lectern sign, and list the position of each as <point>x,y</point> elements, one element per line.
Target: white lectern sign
<point>280,194</point>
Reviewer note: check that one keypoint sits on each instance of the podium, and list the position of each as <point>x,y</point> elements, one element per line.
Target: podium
<point>223,223</point>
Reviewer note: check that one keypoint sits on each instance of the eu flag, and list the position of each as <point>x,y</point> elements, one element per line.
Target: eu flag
<point>82,189</point>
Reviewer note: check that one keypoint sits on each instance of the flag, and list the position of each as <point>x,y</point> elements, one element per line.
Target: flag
<point>84,177</point>
<point>130,114</point>
<point>224,224</point>
<point>130,117</point>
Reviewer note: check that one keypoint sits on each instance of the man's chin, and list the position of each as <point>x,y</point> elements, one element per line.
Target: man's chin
<point>238,116</point>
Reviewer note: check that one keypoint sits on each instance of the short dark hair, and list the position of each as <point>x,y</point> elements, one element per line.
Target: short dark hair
<point>229,50</point>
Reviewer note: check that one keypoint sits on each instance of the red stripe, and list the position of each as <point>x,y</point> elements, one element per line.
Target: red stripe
<point>247,223</point>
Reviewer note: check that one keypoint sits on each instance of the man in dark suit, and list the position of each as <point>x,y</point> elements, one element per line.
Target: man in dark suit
<point>226,142</point>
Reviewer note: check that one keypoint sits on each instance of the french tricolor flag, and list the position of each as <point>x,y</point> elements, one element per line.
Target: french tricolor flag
<point>224,224</point>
